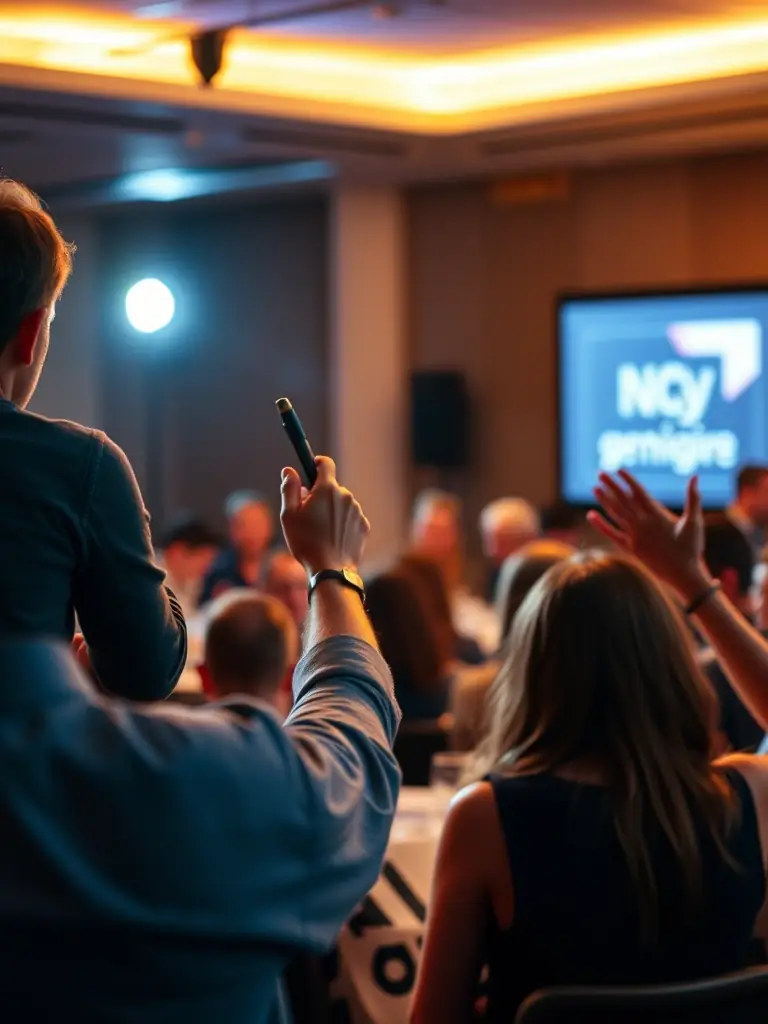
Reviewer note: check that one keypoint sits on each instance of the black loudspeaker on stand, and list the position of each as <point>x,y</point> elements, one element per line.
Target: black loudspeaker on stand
<point>440,419</point>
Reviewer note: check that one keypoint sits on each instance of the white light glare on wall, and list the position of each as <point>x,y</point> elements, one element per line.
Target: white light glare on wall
<point>149,305</point>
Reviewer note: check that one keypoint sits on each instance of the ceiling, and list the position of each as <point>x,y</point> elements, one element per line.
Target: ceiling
<point>434,26</point>
<point>444,88</point>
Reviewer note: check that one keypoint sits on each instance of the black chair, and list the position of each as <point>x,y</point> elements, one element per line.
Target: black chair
<point>738,998</point>
<point>307,989</point>
<point>417,741</point>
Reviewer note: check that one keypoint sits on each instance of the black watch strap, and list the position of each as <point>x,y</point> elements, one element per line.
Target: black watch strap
<point>347,578</point>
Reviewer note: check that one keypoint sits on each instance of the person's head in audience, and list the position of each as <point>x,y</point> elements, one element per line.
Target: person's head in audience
<point>506,525</point>
<point>601,682</point>
<point>562,522</point>
<point>286,580</point>
<point>520,573</point>
<point>752,494</point>
<point>729,558</point>
<point>413,642</point>
<point>36,264</point>
<point>249,519</point>
<point>189,547</point>
<point>436,532</point>
<point>436,525</point>
<point>250,644</point>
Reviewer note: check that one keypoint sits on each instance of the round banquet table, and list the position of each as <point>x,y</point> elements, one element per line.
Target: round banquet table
<point>374,969</point>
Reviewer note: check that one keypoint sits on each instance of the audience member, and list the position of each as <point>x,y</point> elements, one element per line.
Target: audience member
<point>75,534</point>
<point>251,643</point>
<point>672,547</point>
<point>429,576</point>
<point>729,559</point>
<point>563,523</point>
<point>250,531</point>
<point>188,547</point>
<point>603,847</point>
<point>436,533</point>
<point>506,526</point>
<point>412,643</point>
<point>519,574</point>
<point>165,863</point>
<point>750,509</point>
<point>284,578</point>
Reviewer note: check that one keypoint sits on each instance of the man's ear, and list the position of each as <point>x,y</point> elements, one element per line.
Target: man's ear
<point>729,581</point>
<point>206,681</point>
<point>27,335</point>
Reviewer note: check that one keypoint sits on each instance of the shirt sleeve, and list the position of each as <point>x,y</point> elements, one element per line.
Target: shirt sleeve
<point>283,826</point>
<point>133,624</point>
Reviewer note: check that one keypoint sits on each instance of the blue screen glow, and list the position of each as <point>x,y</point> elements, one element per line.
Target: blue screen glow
<point>665,386</point>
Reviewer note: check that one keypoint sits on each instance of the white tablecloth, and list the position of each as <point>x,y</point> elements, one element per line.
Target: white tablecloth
<point>379,948</point>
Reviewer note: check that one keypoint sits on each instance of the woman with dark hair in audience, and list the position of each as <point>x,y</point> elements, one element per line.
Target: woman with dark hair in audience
<point>413,643</point>
<point>518,575</point>
<point>603,846</point>
<point>428,575</point>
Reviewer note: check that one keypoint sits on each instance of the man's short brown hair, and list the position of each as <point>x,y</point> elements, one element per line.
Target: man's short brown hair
<point>35,261</point>
<point>750,476</point>
<point>249,644</point>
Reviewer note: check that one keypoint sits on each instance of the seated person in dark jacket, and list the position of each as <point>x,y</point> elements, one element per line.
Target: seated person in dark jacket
<point>729,558</point>
<point>249,520</point>
<point>428,575</point>
<point>413,644</point>
<point>74,533</point>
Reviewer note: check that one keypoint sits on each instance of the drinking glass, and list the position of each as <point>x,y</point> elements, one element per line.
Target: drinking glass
<point>446,771</point>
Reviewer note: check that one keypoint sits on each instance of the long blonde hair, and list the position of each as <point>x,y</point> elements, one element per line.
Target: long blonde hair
<point>600,672</point>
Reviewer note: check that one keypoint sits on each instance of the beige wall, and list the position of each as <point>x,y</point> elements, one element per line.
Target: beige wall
<point>368,402</point>
<point>483,281</point>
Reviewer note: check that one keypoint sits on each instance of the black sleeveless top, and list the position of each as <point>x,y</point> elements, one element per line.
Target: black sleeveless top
<point>575,910</point>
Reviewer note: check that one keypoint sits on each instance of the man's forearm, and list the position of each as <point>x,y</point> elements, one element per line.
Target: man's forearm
<point>336,610</point>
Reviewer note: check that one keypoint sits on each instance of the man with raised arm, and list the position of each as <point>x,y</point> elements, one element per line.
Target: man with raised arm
<point>74,533</point>
<point>164,864</point>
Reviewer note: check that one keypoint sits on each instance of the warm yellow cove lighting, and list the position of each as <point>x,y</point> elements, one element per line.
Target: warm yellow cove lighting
<point>359,85</point>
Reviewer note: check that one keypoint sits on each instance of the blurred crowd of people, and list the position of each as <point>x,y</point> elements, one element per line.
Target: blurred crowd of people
<point>443,643</point>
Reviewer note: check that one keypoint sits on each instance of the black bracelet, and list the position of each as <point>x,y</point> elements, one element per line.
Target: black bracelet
<point>703,597</point>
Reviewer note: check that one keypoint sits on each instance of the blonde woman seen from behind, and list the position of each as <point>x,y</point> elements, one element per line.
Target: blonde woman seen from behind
<point>602,845</point>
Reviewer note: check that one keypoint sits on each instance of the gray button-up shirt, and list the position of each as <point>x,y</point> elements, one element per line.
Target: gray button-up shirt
<point>162,864</point>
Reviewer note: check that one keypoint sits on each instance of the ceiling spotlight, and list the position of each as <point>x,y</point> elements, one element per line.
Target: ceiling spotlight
<point>208,52</point>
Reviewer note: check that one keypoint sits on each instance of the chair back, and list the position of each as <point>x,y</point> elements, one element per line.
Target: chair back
<point>738,998</point>
<point>417,741</point>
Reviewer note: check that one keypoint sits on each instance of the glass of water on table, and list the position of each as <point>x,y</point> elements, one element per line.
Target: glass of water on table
<point>446,778</point>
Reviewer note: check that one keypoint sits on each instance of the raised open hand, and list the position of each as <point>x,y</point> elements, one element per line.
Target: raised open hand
<point>670,546</point>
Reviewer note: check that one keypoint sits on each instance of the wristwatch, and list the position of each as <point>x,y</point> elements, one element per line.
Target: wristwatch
<point>347,578</point>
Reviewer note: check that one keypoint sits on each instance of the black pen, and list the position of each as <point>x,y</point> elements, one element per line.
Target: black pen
<point>298,439</point>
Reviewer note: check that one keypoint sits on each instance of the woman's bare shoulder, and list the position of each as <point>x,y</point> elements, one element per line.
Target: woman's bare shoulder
<point>753,767</point>
<point>472,816</point>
